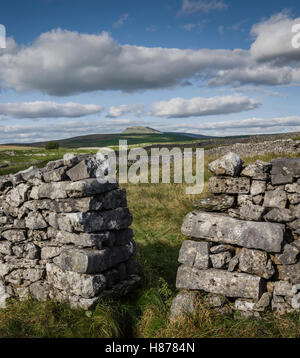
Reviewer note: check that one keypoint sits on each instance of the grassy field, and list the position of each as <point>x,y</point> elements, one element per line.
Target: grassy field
<point>158,211</point>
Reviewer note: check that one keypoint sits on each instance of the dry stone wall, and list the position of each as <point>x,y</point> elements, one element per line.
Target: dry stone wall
<point>64,234</point>
<point>244,246</point>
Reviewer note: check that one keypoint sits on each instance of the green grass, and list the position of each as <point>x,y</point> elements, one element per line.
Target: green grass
<point>158,211</point>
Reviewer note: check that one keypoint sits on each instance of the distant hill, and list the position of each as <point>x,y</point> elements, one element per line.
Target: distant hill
<point>140,130</point>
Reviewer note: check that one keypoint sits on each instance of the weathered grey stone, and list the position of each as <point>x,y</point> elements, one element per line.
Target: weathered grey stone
<point>257,171</point>
<point>3,296</point>
<point>18,195</point>
<point>219,248</point>
<point>109,238</point>
<point>279,179</point>
<point>243,305</point>
<point>275,199</point>
<point>54,165</point>
<point>29,173</point>
<point>87,286</point>
<point>249,211</point>
<point>55,175</point>
<point>14,235</point>
<point>93,167</point>
<point>229,185</point>
<point>256,262</point>
<point>39,290</point>
<point>106,201</point>
<point>49,252</point>
<point>221,260</point>
<point>234,263</point>
<point>248,315</point>
<point>290,273</point>
<point>5,269</point>
<point>92,261</point>
<point>279,215</point>
<point>243,199</point>
<point>258,200</point>
<point>220,282</point>
<point>35,221</point>
<point>219,203</point>
<point>230,164</point>
<point>258,187</point>
<point>293,188</point>
<point>5,247</point>
<point>295,211</point>
<point>281,308</point>
<point>283,288</point>
<point>193,253</point>
<point>83,303</point>
<point>289,256</point>
<point>296,302</point>
<point>223,229</point>
<point>214,301</point>
<point>79,189</point>
<point>92,221</point>
<point>183,304</point>
<point>234,213</point>
<point>264,302</point>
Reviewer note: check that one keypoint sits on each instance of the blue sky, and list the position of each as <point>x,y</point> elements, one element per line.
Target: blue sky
<point>214,67</point>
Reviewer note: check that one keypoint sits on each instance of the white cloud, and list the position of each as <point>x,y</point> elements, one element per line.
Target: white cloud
<point>197,107</point>
<point>256,74</point>
<point>120,22</point>
<point>57,63</point>
<point>49,109</point>
<point>206,6</point>
<point>118,111</point>
<point>274,40</point>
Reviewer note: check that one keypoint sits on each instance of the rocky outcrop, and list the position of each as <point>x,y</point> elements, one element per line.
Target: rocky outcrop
<point>64,234</point>
<point>244,240</point>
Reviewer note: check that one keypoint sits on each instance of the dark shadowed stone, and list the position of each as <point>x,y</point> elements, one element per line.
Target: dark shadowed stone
<point>193,253</point>
<point>289,256</point>
<point>256,263</point>
<point>220,282</point>
<point>230,164</point>
<point>279,215</point>
<point>183,304</point>
<point>257,171</point>
<point>219,203</point>
<point>229,185</point>
<point>286,167</point>
<point>233,264</point>
<point>214,301</point>
<point>226,230</point>
<point>290,273</point>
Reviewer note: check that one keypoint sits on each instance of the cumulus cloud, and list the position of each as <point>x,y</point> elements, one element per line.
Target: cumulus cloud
<point>56,63</point>
<point>197,107</point>
<point>274,40</point>
<point>49,109</point>
<point>118,111</point>
<point>257,75</point>
<point>206,6</point>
